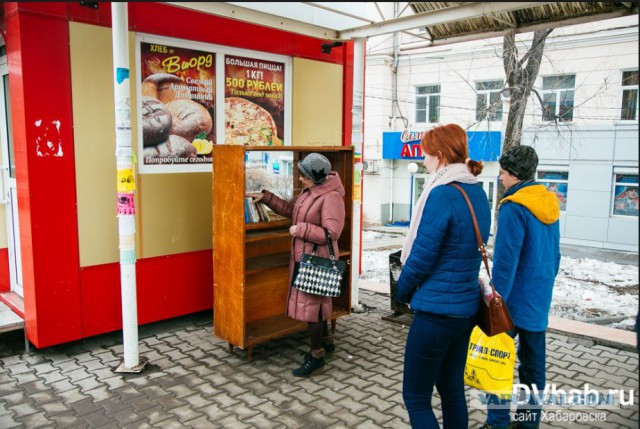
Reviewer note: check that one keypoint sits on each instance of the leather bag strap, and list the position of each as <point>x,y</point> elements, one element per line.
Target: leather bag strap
<point>481,246</point>
<point>329,243</point>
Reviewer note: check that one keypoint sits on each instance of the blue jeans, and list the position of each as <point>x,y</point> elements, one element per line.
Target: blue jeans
<point>435,354</point>
<point>532,357</point>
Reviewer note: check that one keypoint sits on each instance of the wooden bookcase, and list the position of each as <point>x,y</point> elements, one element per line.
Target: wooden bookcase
<point>251,260</point>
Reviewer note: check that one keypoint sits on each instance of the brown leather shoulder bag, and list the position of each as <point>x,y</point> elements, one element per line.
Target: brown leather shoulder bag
<point>494,315</point>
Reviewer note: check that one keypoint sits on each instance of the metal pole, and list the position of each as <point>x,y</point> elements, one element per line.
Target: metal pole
<point>391,173</point>
<point>357,139</point>
<point>125,188</point>
<point>411,198</point>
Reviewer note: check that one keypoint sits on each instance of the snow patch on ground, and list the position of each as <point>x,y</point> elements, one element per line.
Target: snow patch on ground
<point>586,290</point>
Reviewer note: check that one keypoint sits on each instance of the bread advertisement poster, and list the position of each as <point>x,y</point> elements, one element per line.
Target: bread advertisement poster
<point>254,101</point>
<point>177,106</point>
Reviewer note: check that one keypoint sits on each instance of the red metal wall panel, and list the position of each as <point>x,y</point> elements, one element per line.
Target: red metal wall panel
<point>46,9</point>
<point>190,25</point>
<point>174,285</point>
<point>101,303</point>
<point>163,291</point>
<point>5,280</point>
<point>347,97</point>
<point>40,85</point>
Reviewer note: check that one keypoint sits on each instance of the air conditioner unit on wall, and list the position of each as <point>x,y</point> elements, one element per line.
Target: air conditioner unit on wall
<point>370,166</point>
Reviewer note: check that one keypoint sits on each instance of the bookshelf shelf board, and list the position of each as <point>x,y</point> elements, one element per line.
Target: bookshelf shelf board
<point>280,325</point>
<point>269,225</point>
<point>259,235</point>
<point>266,262</point>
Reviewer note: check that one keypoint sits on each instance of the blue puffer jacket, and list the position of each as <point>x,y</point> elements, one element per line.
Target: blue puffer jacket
<point>440,275</point>
<point>526,255</point>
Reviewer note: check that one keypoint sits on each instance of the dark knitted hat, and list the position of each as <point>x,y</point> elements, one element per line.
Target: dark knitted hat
<point>315,167</point>
<point>520,161</point>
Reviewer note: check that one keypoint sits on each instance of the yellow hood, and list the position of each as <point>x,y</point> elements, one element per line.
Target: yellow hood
<point>541,203</point>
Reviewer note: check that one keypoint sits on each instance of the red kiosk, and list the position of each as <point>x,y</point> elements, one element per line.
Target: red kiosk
<point>59,266</point>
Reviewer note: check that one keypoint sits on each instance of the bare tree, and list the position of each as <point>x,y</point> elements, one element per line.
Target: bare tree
<point>521,74</point>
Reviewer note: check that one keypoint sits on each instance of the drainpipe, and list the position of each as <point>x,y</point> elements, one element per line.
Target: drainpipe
<point>125,185</point>
<point>394,83</point>
<point>394,105</point>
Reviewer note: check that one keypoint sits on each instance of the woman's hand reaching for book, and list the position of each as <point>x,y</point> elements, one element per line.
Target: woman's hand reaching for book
<point>256,197</point>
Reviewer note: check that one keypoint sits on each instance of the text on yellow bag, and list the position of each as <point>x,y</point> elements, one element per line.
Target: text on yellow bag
<point>490,362</point>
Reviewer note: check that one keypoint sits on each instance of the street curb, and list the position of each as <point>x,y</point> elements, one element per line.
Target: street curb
<point>594,334</point>
<point>601,335</point>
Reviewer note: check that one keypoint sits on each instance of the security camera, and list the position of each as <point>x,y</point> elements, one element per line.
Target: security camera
<point>326,47</point>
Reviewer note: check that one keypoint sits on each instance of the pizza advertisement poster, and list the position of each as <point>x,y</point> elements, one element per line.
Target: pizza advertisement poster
<point>254,105</point>
<point>177,107</point>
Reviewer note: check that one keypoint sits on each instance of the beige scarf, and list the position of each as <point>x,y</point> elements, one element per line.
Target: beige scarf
<point>450,173</point>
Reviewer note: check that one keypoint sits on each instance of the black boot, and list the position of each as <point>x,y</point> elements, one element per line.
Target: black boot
<point>329,348</point>
<point>310,363</point>
<point>327,344</point>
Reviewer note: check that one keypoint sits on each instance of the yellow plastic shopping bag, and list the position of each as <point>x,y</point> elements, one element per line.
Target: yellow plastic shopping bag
<point>490,362</point>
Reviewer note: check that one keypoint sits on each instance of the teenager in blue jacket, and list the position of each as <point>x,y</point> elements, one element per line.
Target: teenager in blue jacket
<point>439,279</point>
<point>526,259</point>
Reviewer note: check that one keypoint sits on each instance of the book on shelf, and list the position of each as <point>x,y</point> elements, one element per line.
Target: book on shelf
<point>255,212</point>
<point>264,216</point>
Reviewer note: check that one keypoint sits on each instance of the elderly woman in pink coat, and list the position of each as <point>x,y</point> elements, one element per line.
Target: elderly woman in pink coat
<point>319,205</point>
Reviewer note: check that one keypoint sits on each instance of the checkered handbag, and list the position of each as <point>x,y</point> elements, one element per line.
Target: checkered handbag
<point>321,276</point>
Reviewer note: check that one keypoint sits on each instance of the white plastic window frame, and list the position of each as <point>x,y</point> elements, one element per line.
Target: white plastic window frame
<point>487,104</point>
<point>554,169</point>
<point>558,99</point>
<point>624,88</point>
<point>629,171</point>
<point>428,102</point>
<point>220,52</point>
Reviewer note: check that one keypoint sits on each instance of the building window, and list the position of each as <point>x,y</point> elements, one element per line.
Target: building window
<point>557,96</point>
<point>428,104</point>
<point>625,194</point>
<point>556,182</point>
<point>488,100</point>
<point>629,96</point>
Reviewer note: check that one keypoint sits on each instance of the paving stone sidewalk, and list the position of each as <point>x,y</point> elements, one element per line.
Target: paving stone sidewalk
<point>193,381</point>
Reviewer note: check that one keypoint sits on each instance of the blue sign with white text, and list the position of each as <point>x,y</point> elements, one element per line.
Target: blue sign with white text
<point>483,145</point>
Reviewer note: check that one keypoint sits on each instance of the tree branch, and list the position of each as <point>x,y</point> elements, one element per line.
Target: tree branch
<point>535,53</point>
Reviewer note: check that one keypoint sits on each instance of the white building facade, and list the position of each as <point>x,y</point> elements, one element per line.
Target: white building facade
<point>583,125</point>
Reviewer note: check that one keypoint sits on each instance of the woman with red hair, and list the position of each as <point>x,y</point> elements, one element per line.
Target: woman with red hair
<point>439,279</point>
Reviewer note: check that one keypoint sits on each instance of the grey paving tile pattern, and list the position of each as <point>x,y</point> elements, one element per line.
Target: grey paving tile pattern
<point>193,381</point>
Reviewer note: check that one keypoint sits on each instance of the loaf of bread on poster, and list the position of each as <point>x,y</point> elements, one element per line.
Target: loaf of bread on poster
<point>156,122</point>
<point>174,147</point>
<point>171,120</point>
<point>165,87</point>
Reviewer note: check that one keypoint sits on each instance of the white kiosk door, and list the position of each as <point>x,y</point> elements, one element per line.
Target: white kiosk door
<point>9,198</point>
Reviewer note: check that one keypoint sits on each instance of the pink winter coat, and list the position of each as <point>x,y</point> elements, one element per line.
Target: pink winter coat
<point>314,208</point>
